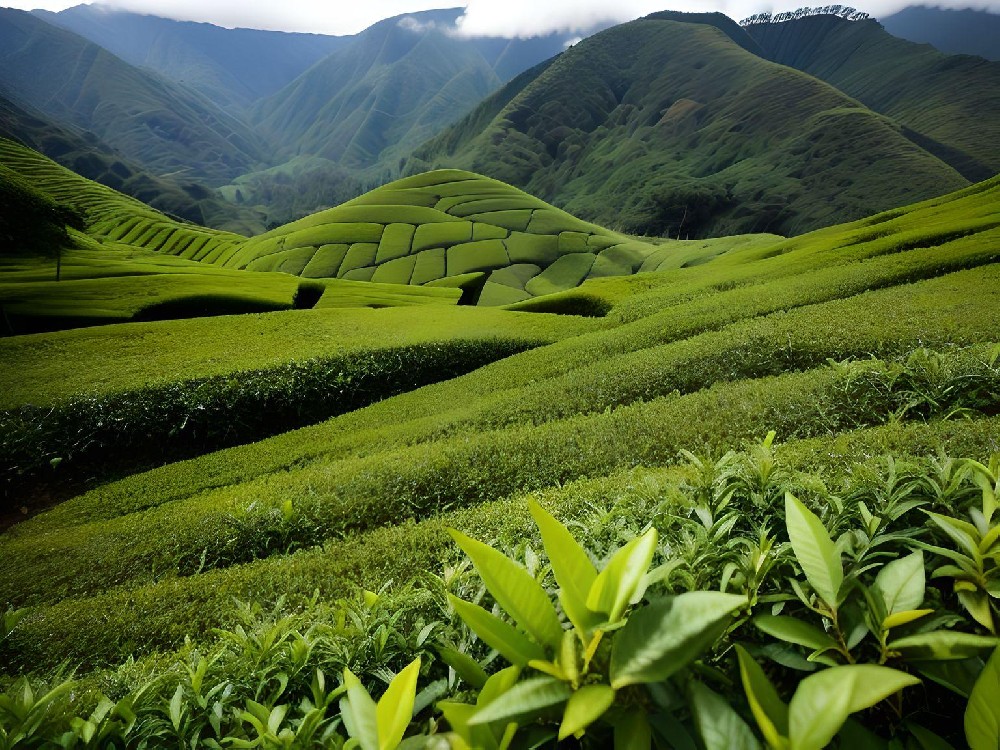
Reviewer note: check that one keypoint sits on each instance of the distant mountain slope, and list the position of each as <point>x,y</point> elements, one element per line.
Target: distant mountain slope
<point>158,124</point>
<point>659,126</point>
<point>233,67</point>
<point>392,87</point>
<point>87,155</point>
<point>956,32</point>
<point>951,104</point>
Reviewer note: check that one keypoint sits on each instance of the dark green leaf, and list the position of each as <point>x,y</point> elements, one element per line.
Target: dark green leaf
<point>943,645</point>
<point>795,631</point>
<point>720,727</point>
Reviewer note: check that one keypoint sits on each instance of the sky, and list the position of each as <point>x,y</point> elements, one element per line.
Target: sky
<point>522,18</point>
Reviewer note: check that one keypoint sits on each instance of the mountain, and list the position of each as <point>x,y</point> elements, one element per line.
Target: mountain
<point>160,125</point>
<point>87,155</point>
<point>948,105</point>
<point>957,32</point>
<point>232,67</point>
<point>665,125</point>
<point>390,88</point>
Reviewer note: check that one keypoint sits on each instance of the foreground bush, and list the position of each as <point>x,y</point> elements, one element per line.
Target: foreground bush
<point>727,613</point>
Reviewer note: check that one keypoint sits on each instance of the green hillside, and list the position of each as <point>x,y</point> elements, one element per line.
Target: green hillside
<point>658,127</point>
<point>870,349</point>
<point>445,229</point>
<point>161,126</point>
<point>949,106</point>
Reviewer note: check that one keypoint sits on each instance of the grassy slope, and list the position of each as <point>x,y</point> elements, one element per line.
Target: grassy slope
<point>705,356</point>
<point>133,262</point>
<point>952,104</point>
<point>656,126</point>
<point>158,124</point>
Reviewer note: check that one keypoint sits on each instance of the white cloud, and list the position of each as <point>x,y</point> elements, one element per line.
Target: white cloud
<point>483,17</point>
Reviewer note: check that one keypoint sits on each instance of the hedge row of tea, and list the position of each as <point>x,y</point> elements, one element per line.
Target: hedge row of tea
<point>103,436</point>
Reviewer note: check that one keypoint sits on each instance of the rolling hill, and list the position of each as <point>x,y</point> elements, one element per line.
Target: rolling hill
<point>950,30</point>
<point>232,67</point>
<point>947,105</point>
<point>157,124</point>
<point>668,126</point>
<point>444,230</point>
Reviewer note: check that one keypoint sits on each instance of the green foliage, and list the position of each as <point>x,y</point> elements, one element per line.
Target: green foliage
<point>579,682</point>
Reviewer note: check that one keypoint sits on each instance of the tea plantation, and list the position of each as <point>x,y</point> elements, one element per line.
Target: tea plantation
<point>737,493</point>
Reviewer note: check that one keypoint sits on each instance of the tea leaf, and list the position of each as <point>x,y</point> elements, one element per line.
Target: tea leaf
<point>823,701</point>
<point>517,593</point>
<point>720,727</point>
<point>982,715</point>
<point>662,638</point>
<point>584,707</point>
<point>814,550</point>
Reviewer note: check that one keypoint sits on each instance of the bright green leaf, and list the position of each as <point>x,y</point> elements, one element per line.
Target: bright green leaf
<point>768,709</point>
<point>574,571</point>
<point>814,550</point>
<point>615,586</point>
<point>904,618</point>
<point>585,707</point>
<point>823,701</point>
<point>498,684</point>
<point>358,712</point>
<point>395,707</point>
<point>901,583</point>
<point>517,593</point>
<point>982,715</point>
<point>664,637</point>
<point>524,700</point>
<point>512,644</point>
<point>720,727</point>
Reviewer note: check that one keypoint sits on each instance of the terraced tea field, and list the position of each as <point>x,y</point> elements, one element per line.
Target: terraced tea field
<point>850,368</point>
